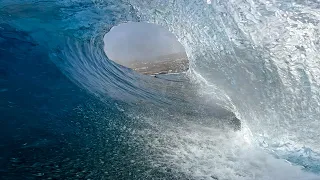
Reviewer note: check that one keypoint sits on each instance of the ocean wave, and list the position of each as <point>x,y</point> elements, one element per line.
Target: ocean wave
<point>257,61</point>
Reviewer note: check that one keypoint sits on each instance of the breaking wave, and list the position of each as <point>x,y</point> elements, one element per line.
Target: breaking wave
<point>251,60</point>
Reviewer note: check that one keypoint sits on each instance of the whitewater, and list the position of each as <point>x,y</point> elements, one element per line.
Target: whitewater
<point>254,60</point>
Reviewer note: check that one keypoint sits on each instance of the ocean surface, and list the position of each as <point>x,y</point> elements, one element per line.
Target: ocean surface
<point>247,109</point>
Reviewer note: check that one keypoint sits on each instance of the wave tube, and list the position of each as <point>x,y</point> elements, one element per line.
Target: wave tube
<point>257,61</point>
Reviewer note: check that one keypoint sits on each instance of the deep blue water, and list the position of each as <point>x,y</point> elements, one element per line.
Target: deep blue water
<point>68,112</point>
<point>43,131</point>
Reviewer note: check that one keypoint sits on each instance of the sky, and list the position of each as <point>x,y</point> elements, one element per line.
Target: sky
<point>139,41</point>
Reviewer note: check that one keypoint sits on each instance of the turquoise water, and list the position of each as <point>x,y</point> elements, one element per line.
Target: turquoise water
<point>68,112</point>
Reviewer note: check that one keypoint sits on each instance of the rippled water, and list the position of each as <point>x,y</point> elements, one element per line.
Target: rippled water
<point>70,113</point>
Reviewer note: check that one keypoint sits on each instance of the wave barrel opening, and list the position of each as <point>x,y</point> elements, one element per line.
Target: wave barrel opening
<point>146,48</point>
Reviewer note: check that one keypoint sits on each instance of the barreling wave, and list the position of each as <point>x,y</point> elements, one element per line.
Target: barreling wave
<point>258,60</point>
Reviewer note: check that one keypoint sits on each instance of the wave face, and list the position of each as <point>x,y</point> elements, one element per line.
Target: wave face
<point>87,117</point>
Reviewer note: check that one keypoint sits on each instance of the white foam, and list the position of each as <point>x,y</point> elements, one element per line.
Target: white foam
<point>209,153</point>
